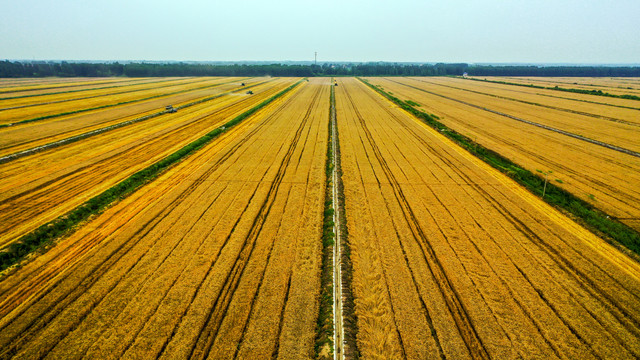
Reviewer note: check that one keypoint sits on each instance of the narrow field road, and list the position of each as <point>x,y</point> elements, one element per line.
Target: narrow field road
<point>338,319</point>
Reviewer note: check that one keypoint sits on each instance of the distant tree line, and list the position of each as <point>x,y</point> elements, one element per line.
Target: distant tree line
<point>71,69</point>
<point>62,69</point>
<point>65,69</point>
<point>575,71</point>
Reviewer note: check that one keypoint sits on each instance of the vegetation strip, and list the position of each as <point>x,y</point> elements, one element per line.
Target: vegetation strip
<point>324,346</point>
<point>72,139</point>
<point>594,219</point>
<point>589,102</point>
<point>349,319</point>
<point>528,103</point>
<point>109,105</point>
<point>338,319</point>
<point>546,127</point>
<point>578,91</point>
<point>547,80</point>
<point>63,225</point>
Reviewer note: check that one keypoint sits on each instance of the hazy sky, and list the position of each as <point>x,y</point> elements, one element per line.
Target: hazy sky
<point>584,31</point>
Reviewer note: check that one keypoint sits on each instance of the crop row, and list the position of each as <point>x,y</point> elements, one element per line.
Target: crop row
<point>46,233</point>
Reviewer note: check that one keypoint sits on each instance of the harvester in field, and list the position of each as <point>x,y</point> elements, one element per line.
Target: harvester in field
<point>171,109</point>
<point>250,92</point>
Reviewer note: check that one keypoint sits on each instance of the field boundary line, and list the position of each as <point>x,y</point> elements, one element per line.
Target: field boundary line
<point>546,127</point>
<point>608,118</point>
<point>52,116</point>
<point>348,317</point>
<point>67,86</point>
<point>589,238</point>
<point>44,235</point>
<point>556,88</point>
<point>620,235</point>
<point>91,89</point>
<point>96,96</point>
<point>338,306</point>
<point>336,328</point>
<point>72,139</point>
<point>324,345</point>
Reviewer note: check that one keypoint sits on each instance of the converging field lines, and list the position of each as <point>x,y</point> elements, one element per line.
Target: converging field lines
<point>324,221</point>
<point>603,177</point>
<point>241,241</point>
<point>546,127</point>
<point>463,238</point>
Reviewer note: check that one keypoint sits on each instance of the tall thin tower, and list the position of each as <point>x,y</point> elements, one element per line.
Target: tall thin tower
<point>315,61</point>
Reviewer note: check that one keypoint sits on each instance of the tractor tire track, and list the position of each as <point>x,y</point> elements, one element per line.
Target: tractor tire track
<point>455,305</point>
<point>223,300</point>
<point>101,267</point>
<point>76,181</point>
<point>586,284</point>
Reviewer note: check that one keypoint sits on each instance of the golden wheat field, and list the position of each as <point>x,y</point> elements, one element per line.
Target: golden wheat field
<point>617,86</point>
<point>607,178</point>
<point>220,254</point>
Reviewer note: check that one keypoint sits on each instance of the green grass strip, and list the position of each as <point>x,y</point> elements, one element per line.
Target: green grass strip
<point>63,225</point>
<point>324,324</point>
<point>557,88</point>
<point>594,219</point>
